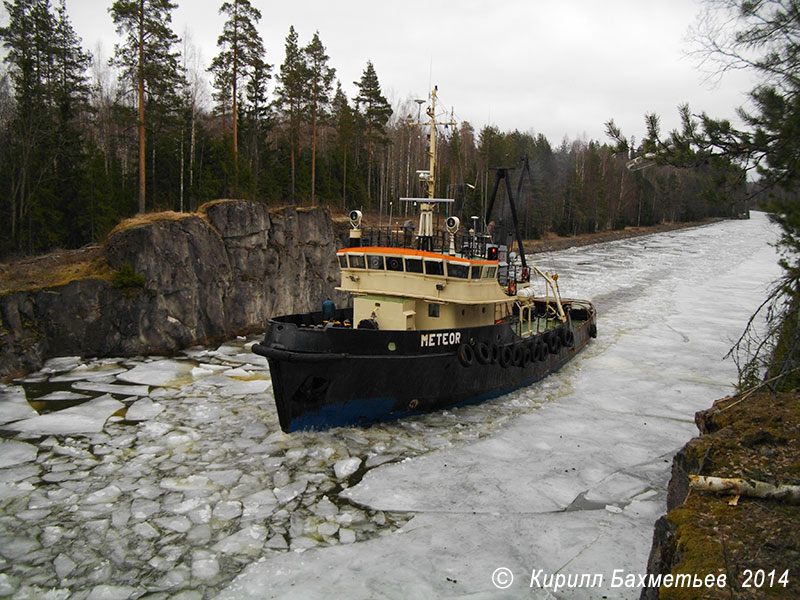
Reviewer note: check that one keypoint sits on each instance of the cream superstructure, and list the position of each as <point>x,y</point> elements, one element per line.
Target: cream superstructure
<point>406,289</point>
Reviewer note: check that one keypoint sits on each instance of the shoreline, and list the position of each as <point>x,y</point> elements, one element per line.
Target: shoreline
<point>552,242</point>
<point>63,266</point>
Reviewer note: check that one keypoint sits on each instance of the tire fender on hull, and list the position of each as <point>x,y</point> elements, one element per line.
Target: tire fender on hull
<point>466,355</point>
<point>483,353</point>
<point>506,356</point>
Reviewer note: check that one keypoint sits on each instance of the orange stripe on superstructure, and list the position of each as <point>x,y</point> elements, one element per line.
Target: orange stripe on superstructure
<point>412,252</point>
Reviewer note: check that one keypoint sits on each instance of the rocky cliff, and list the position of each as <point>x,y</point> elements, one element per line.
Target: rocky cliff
<point>175,280</point>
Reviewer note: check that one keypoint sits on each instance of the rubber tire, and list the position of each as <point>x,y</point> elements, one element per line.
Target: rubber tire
<point>526,356</point>
<point>554,344</point>
<point>466,355</point>
<point>519,355</point>
<point>541,351</point>
<point>495,350</point>
<point>483,353</point>
<point>506,355</point>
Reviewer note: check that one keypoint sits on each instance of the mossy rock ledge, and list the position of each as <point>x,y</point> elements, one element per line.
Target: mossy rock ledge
<point>172,280</point>
<point>753,543</point>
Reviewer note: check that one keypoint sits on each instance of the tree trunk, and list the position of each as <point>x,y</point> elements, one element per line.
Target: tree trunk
<point>153,170</point>
<point>344,180</point>
<point>313,154</point>
<point>235,119</point>
<point>182,167</point>
<point>291,150</point>
<point>743,487</point>
<point>369,163</point>
<point>141,108</point>
<point>191,153</point>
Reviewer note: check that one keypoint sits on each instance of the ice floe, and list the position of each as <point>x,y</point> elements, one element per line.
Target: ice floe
<point>13,453</point>
<point>14,404</point>
<point>85,418</point>
<point>143,409</point>
<point>169,373</point>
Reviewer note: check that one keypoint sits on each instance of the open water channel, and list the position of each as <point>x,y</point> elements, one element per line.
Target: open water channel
<point>170,478</point>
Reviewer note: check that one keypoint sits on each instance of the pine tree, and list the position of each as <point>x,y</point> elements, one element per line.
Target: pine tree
<point>762,38</point>
<point>375,110</point>
<point>241,51</point>
<point>147,60</point>
<point>320,79</point>
<point>291,96</point>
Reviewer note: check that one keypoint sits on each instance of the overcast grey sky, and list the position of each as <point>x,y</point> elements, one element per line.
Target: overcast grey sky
<point>557,67</point>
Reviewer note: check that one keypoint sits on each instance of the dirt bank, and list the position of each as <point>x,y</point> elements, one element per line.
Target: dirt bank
<point>753,542</point>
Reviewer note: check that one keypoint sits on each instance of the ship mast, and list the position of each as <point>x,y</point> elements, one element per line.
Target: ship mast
<point>428,178</point>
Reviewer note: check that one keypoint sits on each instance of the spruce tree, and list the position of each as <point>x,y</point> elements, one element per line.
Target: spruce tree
<point>71,101</point>
<point>26,41</point>
<point>320,79</point>
<point>291,96</point>
<point>375,110</point>
<point>345,126</point>
<point>257,116</point>
<point>241,51</point>
<point>147,60</point>
<point>47,69</point>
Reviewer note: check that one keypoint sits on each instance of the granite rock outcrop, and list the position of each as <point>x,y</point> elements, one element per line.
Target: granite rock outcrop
<point>197,277</point>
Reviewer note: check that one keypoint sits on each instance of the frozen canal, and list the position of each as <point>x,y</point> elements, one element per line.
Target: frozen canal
<point>170,478</point>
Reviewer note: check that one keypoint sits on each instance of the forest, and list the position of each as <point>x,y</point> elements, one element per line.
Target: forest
<point>87,141</point>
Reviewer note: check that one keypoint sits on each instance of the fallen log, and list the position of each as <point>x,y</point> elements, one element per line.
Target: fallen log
<point>747,488</point>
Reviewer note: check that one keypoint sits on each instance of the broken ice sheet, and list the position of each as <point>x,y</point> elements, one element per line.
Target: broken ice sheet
<point>14,405</point>
<point>143,409</point>
<point>346,467</point>
<point>111,388</point>
<point>101,372</point>
<point>244,388</point>
<point>61,364</point>
<point>63,395</point>
<point>89,417</point>
<point>164,373</point>
<point>248,540</point>
<point>13,453</point>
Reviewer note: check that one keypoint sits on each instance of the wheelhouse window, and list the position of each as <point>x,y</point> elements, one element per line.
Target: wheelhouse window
<point>394,263</point>
<point>343,261</point>
<point>434,267</point>
<point>476,272</point>
<point>375,262</point>
<point>457,270</point>
<point>414,265</point>
<point>490,272</point>
<point>357,261</point>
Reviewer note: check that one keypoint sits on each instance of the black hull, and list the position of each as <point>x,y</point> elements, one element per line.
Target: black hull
<point>326,377</point>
